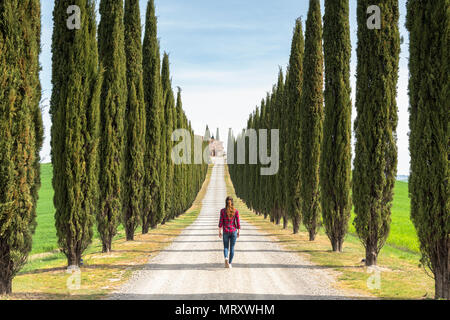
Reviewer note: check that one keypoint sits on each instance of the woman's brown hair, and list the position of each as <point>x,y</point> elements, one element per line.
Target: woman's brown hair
<point>230,208</point>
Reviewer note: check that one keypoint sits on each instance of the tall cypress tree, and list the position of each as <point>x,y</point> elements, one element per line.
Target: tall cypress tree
<point>311,120</point>
<point>162,166</point>
<point>276,123</point>
<point>294,84</point>
<point>207,135</point>
<point>178,201</point>
<point>135,120</point>
<point>21,133</point>
<point>217,134</point>
<point>335,162</point>
<point>152,95</point>
<point>375,160</point>
<point>429,91</point>
<point>75,111</point>
<point>112,107</point>
<point>169,105</point>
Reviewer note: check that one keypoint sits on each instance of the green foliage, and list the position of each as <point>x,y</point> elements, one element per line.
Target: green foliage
<point>311,120</point>
<point>112,109</point>
<point>294,84</point>
<point>168,127</point>
<point>135,121</point>
<point>276,123</point>
<point>375,160</point>
<point>179,185</point>
<point>21,133</point>
<point>335,161</point>
<point>429,92</point>
<point>151,214</point>
<point>75,111</point>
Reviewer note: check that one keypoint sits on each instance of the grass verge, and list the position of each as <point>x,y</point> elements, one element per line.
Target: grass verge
<point>399,274</point>
<point>45,276</point>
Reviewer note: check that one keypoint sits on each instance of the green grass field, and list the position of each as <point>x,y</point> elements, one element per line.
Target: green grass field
<point>402,234</point>
<point>45,238</point>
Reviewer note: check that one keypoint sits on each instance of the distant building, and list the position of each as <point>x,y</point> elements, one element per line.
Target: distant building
<point>216,148</point>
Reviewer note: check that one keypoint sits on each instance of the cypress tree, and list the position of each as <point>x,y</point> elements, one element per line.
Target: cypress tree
<point>207,136</point>
<point>255,168</point>
<point>169,105</point>
<point>135,120</point>
<point>217,134</point>
<point>429,91</point>
<point>277,124</point>
<point>294,85</point>
<point>162,166</point>
<point>335,162</point>
<point>113,106</point>
<point>311,120</point>
<point>230,150</point>
<point>21,133</point>
<point>284,155</point>
<point>266,192</point>
<point>151,215</point>
<point>375,150</point>
<point>75,111</point>
<point>262,179</point>
<point>178,200</point>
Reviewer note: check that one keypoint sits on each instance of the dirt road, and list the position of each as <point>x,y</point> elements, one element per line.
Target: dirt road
<point>192,267</point>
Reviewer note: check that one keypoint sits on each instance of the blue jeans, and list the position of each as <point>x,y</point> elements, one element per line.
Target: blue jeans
<point>229,240</point>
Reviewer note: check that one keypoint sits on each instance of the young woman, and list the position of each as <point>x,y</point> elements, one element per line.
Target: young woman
<point>229,221</point>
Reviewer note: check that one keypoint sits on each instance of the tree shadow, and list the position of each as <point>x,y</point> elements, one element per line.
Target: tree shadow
<point>211,297</point>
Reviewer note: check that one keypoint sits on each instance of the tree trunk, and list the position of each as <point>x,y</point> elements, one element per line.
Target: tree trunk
<point>74,259</point>
<point>371,256</point>
<point>296,224</point>
<point>130,234</point>
<point>285,220</point>
<point>336,245</point>
<point>312,235</point>
<point>107,246</point>
<point>277,217</point>
<point>145,228</point>
<point>6,286</point>
<point>265,215</point>
<point>442,284</point>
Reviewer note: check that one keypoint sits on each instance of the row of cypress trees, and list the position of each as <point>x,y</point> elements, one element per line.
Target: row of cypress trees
<point>21,133</point>
<point>113,113</point>
<point>309,151</point>
<point>313,183</point>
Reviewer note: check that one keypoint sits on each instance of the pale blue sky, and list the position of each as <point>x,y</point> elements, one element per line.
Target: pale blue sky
<point>225,56</point>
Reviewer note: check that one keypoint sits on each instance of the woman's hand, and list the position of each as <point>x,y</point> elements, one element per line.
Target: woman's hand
<point>239,230</point>
<point>220,233</point>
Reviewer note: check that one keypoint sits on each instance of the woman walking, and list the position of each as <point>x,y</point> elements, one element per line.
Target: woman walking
<point>229,221</point>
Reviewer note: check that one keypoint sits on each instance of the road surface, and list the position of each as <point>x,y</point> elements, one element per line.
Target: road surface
<point>192,267</point>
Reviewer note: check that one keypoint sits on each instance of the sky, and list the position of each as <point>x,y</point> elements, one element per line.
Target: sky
<point>225,56</point>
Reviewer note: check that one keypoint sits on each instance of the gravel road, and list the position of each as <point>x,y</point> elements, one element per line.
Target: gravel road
<point>192,267</point>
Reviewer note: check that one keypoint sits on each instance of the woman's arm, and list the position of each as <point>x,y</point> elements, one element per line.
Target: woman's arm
<point>238,223</point>
<point>220,224</point>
